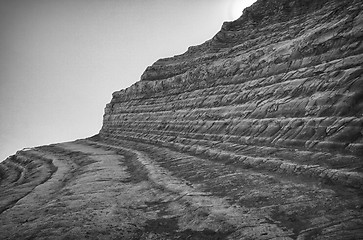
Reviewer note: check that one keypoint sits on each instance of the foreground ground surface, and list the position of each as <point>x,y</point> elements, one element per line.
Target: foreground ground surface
<point>96,190</point>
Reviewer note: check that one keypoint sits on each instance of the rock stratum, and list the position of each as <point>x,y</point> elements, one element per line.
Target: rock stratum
<point>254,134</point>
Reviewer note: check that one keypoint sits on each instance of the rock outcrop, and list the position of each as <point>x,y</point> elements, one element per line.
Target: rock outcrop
<point>254,134</point>
<point>279,89</point>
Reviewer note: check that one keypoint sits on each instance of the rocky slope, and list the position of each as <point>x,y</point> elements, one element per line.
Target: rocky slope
<point>280,88</point>
<point>254,134</point>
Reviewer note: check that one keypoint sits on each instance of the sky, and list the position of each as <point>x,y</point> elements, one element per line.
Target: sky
<point>60,60</point>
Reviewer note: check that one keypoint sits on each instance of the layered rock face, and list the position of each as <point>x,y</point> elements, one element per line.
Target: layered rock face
<point>254,134</point>
<point>281,89</point>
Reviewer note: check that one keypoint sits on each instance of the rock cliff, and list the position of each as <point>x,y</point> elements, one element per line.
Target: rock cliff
<point>280,89</point>
<point>254,134</point>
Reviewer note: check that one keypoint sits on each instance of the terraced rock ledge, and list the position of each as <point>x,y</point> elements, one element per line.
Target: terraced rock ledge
<point>254,134</point>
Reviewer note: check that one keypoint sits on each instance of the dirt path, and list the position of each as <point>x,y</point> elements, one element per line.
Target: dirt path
<point>139,191</point>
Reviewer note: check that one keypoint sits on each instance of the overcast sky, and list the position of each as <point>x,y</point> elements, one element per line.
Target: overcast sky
<point>60,60</point>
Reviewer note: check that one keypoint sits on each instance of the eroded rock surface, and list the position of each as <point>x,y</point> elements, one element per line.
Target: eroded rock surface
<point>91,189</point>
<point>280,89</point>
<point>254,134</point>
